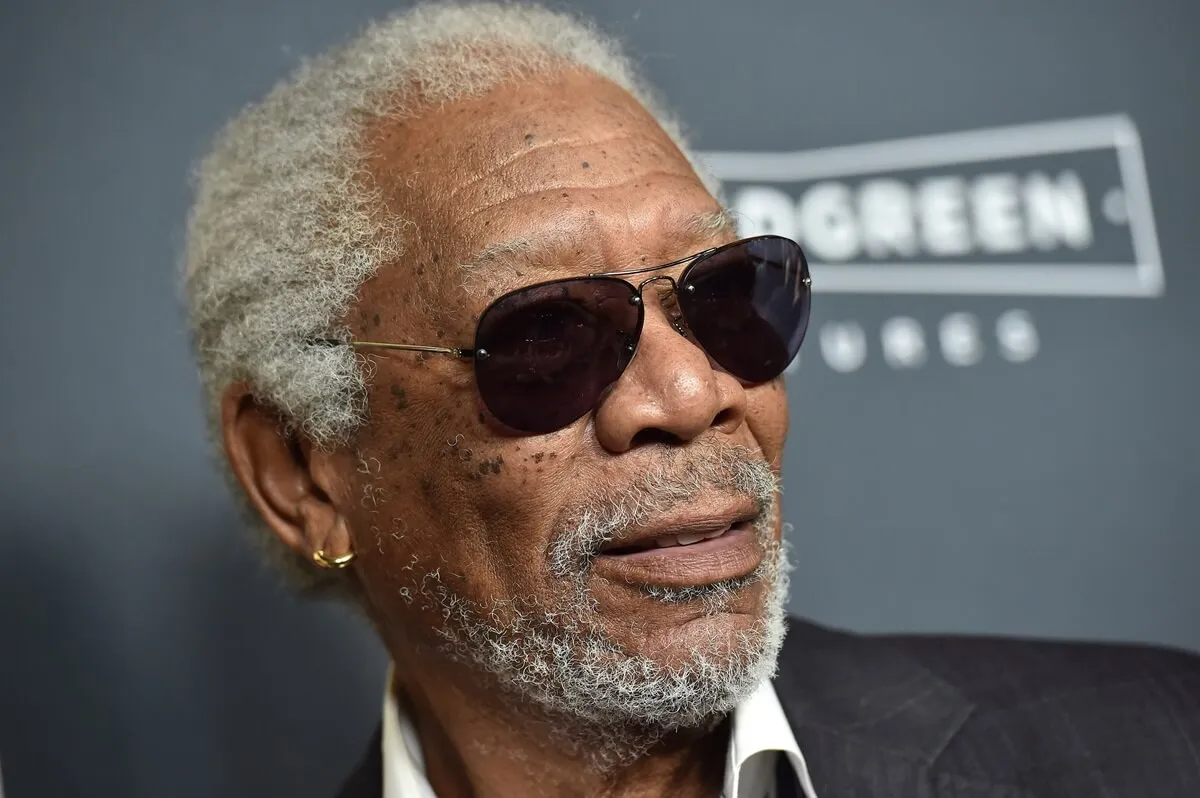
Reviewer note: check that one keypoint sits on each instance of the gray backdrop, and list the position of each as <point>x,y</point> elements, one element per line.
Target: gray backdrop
<point>145,653</point>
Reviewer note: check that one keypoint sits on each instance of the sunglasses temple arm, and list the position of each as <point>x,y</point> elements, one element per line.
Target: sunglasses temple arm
<point>464,354</point>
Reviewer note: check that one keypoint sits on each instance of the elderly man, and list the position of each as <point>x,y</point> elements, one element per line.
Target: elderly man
<point>488,359</point>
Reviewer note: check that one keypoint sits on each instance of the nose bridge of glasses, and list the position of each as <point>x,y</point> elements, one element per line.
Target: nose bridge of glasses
<point>667,300</point>
<point>656,278</point>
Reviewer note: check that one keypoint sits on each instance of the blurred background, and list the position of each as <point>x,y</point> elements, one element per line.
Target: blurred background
<point>994,418</point>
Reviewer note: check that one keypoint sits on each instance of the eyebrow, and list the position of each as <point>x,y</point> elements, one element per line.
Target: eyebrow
<point>718,222</point>
<point>704,225</point>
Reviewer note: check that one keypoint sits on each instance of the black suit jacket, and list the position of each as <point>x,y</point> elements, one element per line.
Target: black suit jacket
<point>973,717</point>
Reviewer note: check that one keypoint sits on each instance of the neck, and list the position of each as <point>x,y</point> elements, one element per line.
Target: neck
<point>478,744</point>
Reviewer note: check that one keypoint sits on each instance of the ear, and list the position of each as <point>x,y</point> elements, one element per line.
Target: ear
<point>294,495</point>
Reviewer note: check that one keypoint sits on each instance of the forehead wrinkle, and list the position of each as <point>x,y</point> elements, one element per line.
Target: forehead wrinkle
<point>522,196</point>
<point>502,264</point>
<point>525,187</point>
<point>516,156</point>
<point>498,264</point>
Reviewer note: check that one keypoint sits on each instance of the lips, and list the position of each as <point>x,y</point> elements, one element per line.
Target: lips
<point>686,538</point>
<point>685,527</point>
<point>687,551</point>
<point>684,534</point>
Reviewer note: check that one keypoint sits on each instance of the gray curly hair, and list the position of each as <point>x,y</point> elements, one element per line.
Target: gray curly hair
<point>287,225</point>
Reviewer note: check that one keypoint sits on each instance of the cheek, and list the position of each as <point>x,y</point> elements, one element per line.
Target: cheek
<point>767,418</point>
<point>509,491</point>
<point>450,497</point>
<point>412,514</point>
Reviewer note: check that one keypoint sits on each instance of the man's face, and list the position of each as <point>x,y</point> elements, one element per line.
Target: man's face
<point>513,553</point>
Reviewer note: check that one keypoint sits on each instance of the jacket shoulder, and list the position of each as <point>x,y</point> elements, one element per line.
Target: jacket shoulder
<point>1069,719</point>
<point>1004,673</point>
<point>991,672</point>
<point>971,714</point>
<point>366,780</point>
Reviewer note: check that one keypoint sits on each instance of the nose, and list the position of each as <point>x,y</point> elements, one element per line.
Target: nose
<point>671,392</point>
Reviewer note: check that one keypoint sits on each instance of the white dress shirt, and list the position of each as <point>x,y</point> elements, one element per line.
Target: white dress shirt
<point>760,733</point>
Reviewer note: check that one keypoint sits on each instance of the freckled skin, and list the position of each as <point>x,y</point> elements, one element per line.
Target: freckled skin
<point>626,208</point>
<point>576,166</point>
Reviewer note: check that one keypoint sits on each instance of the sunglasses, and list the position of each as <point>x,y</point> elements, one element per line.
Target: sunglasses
<point>546,354</point>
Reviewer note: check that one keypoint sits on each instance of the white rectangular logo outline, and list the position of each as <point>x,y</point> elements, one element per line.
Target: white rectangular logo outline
<point>1143,278</point>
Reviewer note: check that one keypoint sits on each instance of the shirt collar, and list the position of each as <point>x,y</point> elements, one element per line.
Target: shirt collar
<point>403,760</point>
<point>759,732</point>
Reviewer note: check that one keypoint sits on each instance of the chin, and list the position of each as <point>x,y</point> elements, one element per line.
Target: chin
<point>614,655</point>
<point>722,637</point>
<point>715,623</point>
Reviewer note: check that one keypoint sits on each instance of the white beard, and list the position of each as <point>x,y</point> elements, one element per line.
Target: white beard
<point>559,662</point>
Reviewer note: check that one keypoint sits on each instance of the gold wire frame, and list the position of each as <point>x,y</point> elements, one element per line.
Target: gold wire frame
<point>471,354</point>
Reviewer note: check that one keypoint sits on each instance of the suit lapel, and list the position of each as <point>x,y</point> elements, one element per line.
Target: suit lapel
<point>869,720</point>
<point>367,779</point>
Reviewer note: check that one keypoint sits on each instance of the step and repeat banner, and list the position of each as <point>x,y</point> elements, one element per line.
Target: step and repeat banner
<point>989,306</point>
<point>994,418</point>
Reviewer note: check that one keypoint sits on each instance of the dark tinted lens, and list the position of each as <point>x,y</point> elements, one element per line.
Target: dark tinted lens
<point>553,349</point>
<point>748,305</point>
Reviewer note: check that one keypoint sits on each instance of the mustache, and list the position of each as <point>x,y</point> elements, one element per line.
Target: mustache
<point>676,477</point>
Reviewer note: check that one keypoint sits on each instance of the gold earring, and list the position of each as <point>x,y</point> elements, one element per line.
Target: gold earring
<point>325,561</point>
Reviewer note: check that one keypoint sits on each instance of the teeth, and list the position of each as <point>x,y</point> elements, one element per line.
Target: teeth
<point>666,541</point>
